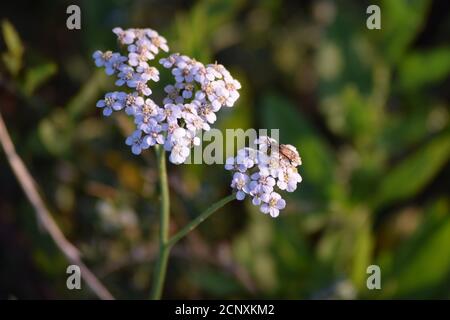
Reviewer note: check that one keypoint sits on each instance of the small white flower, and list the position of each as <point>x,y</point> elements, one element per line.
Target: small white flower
<point>169,61</point>
<point>141,87</point>
<point>154,135</point>
<point>270,165</point>
<point>137,142</point>
<point>239,182</point>
<point>125,75</point>
<point>195,123</point>
<point>170,113</point>
<point>124,37</point>
<point>157,42</point>
<point>288,179</point>
<point>113,101</point>
<point>191,103</point>
<point>173,95</point>
<point>132,103</point>
<point>111,61</point>
<point>264,183</point>
<point>179,153</point>
<point>213,71</point>
<point>188,111</point>
<point>148,73</point>
<point>230,164</point>
<point>272,204</point>
<point>244,160</point>
<point>139,55</point>
<point>188,89</point>
<point>182,72</point>
<point>205,111</point>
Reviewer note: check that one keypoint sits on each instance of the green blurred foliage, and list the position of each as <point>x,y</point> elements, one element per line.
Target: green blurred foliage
<point>367,109</point>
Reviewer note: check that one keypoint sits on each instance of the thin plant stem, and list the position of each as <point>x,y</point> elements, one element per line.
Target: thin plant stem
<point>200,218</point>
<point>166,244</point>
<point>164,249</point>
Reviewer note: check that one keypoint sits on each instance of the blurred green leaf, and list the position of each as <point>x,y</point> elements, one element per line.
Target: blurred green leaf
<point>87,95</point>
<point>55,133</point>
<point>362,255</point>
<point>413,173</point>
<point>37,76</point>
<point>253,249</point>
<point>205,17</point>
<point>215,283</point>
<point>13,57</point>
<point>422,264</point>
<point>401,20</point>
<point>421,68</point>
<point>405,129</point>
<point>295,129</point>
<point>352,116</point>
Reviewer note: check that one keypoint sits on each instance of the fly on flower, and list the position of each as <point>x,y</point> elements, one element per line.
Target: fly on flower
<point>290,153</point>
<point>258,172</point>
<point>286,151</point>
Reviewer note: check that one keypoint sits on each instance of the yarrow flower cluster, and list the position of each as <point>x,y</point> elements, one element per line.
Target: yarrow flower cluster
<point>257,172</point>
<point>191,103</point>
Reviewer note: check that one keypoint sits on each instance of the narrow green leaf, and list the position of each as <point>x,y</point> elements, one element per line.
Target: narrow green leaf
<point>13,57</point>
<point>401,21</point>
<point>420,268</point>
<point>411,175</point>
<point>12,39</point>
<point>37,76</point>
<point>86,97</point>
<point>362,255</point>
<point>421,68</point>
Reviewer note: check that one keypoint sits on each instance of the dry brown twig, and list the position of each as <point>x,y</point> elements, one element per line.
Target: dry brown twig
<point>45,218</point>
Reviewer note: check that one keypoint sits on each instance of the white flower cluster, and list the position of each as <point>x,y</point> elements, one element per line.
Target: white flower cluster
<point>258,172</point>
<point>191,103</point>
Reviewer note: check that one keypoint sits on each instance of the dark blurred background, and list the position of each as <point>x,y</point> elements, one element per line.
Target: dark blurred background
<point>367,109</point>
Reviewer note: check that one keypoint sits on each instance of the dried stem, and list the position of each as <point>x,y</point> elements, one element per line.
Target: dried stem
<point>45,218</point>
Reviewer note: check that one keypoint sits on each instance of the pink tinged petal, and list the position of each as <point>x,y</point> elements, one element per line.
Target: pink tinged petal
<point>264,208</point>
<point>160,139</point>
<point>129,141</point>
<point>117,106</point>
<point>282,185</point>
<point>164,47</point>
<point>107,112</point>
<point>216,104</point>
<point>240,195</point>
<point>256,201</point>
<point>117,30</point>
<point>281,204</point>
<point>97,54</point>
<point>270,181</point>
<point>274,212</point>
<point>135,149</point>
<point>291,187</point>
<point>265,197</point>
<point>109,71</point>
<point>185,152</point>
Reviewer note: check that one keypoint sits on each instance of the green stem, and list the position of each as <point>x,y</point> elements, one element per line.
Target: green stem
<point>164,249</point>
<point>165,244</point>
<point>199,219</point>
